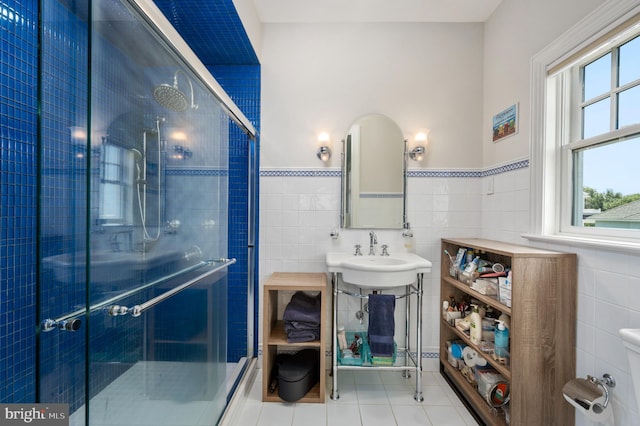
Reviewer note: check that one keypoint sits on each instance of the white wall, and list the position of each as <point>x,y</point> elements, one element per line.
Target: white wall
<point>608,282</point>
<point>450,78</point>
<point>322,77</point>
<point>319,77</point>
<point>515,32</point>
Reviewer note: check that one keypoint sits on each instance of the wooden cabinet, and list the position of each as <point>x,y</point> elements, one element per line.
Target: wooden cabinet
<point>542,334</point>
<point>277,293</point>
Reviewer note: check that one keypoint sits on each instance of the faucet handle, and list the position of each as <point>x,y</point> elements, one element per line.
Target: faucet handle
<point>358,251</point>
<point>385,252</point>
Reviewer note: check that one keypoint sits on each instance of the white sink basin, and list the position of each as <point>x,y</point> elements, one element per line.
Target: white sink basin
<point>378,271</point>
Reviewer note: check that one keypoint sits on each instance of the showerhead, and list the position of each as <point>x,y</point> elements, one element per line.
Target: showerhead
<point>171,97</point>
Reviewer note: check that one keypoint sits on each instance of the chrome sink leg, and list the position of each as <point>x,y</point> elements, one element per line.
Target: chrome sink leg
<point>335,394</point>
<point>418,396</point>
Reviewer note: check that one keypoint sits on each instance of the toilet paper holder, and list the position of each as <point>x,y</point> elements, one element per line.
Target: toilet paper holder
<point>585,392</point>
<point>605,383</point>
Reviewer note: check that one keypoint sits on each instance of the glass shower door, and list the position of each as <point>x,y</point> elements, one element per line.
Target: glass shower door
<point>158,246</point>
<point>133,224</point>
<point>63,197</point>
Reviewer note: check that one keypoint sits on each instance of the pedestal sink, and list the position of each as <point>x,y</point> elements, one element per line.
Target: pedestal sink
<point>378,271</point>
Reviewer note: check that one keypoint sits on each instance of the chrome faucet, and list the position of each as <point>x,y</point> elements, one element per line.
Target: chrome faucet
<point>373,240</point>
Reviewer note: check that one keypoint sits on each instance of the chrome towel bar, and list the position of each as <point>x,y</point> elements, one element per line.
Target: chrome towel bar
<point>69,322</point>
<point>137,310</point>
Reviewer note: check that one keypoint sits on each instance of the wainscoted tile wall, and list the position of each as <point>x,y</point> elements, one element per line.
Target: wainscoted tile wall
<point>608,290</point>
<point>300,208</point>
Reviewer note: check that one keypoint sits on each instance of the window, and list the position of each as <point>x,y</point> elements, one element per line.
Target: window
<point>116,185</point>
<point>586,134</point>
<point>604,144</point>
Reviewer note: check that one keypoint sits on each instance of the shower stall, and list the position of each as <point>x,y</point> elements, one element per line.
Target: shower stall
<point>135,140</point>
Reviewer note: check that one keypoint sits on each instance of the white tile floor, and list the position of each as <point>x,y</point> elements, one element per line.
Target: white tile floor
<point>368,398</point>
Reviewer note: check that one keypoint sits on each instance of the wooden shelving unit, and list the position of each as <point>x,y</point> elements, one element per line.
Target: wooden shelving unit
<point>277,292</point>
<point>542,334</point>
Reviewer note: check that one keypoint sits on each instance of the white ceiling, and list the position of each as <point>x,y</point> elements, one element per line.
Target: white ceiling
<point>315,11</point>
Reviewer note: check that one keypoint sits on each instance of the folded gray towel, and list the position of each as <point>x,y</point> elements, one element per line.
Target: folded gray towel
<point>302,318</point>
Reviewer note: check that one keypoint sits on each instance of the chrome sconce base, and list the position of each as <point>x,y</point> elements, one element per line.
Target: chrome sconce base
<point>324,153</point>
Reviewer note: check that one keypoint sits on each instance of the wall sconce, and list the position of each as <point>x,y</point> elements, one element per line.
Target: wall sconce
<point>181,153</point>
<point>324,152</point>
<point>417,153</point>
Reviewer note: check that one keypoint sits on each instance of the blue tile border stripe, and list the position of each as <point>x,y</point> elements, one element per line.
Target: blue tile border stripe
<point>300,173</point>
<point>520,164</point>
<point>197,172</point>
<point>444,173</point>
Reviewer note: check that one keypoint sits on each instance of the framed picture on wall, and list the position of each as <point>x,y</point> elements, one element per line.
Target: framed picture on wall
<point>505,123</point>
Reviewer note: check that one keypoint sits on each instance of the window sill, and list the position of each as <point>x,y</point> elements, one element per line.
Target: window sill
<point>591,242</point>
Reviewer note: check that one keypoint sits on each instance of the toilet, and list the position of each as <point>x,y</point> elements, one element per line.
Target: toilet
<point>631,340</point>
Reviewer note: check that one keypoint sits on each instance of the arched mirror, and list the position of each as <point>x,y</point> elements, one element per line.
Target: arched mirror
<point>373,174</point>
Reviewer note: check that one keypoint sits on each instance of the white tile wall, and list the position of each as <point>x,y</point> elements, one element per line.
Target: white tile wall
<point>608,292</point>
<point>298,213</point>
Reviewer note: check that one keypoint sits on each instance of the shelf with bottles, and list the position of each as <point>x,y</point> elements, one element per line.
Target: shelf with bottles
<point>542,353</point>
<point>485,411</point>
<point>485,300</point>
<point>487,354</point>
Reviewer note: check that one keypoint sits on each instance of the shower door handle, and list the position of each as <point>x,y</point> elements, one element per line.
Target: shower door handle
<point>137,310</point>
<point>72,324</point>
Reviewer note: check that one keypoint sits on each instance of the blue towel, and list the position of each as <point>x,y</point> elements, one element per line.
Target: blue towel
<point>382,324</point>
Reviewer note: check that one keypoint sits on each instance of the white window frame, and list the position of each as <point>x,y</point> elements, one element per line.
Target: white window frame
<point>551,189</point>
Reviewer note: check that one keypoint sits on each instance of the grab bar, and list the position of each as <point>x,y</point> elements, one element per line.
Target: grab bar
<point>137,310</point>
<point>62,322</point>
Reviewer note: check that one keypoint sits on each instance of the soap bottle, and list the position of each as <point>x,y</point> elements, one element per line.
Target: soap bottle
<point>475,324</point>
<point>505,320</point>
<point>501,339</point>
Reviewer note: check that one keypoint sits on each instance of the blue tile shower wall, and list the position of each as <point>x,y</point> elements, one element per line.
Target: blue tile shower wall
<point>18,183</point>
<point>18,190</point>
<point>242,83</point>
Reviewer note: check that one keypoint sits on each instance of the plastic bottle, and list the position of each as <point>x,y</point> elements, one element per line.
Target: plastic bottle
<point>506,320</point>
<point>475,329</point>
<point>408,241</point>
<point>501,339</point>
<point>470,255</point>
<point>342,338</point>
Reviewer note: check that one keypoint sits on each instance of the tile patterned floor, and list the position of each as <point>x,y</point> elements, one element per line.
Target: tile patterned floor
<point>368,398</point>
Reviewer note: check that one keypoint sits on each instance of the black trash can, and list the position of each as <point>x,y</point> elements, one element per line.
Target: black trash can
<point>297,373</point>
